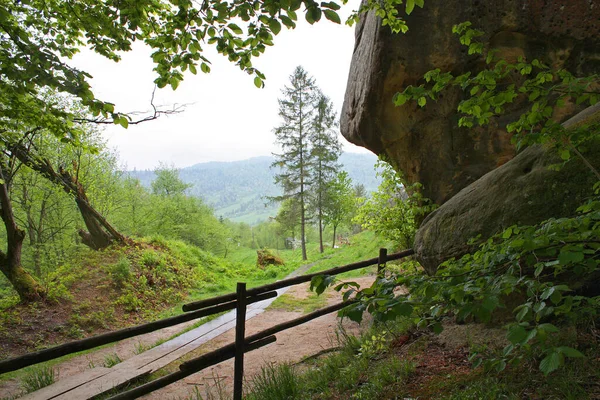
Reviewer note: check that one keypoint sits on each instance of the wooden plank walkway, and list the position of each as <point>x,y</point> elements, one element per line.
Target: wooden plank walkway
<point>97,381</point>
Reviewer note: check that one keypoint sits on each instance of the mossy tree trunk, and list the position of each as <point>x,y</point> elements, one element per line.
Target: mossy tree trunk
<point>10,261</point>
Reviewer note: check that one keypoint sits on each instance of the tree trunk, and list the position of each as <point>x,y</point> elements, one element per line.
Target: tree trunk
<point>333,243</point>
<point>302,216</point>
<point>100,233</point>
<point>320,221</point>
<point>10,262</point>
<point>302,231</point>
<point>320,234</point>
<point>95,238</point>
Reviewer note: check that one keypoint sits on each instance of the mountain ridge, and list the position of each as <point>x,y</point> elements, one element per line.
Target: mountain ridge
<point>238,189</point>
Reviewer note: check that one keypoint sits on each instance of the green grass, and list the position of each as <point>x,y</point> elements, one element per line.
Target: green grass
<point>110,360</point>
<point>216,276</point>
<point>348,374</point>
<point>309,304</point>
<point>38,377</point>
<point>276,383</point>
<point>363,246</point>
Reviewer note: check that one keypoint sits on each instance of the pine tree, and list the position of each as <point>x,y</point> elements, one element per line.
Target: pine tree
<point>326,149</point>
<point>297,110</point>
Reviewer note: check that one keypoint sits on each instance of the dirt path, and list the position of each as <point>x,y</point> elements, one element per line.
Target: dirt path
<point>122,350</point>
<point>292,346</point>
<point>321,334</point>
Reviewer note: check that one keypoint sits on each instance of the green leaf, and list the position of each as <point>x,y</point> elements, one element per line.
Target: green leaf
<point>548,328</point>
<point>331,5</point>
<point>547,293</point>
<point>123,121</point>
<point>316,281</point>
<point>538,270</point>
<point>490,303</point>
<point>410,6</point>
<point>403,309</point>
<point>500,366</point>
<point>332,16</point>
<point>354,312</point>
<point>275,26</point>
<point>516,334</point>
<point>422,101</point>
<point>570,352</point>
<point>174,82</point>
<point>313,15</point>
<point>522,313</point>
<point>258,82</point>
<point>400,99</point>
<point>236,29</point>
<point>551,362</point>
<point>287,21</point>
<point>567,256</point>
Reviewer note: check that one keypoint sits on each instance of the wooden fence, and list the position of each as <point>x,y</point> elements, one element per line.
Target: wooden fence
<point>243,344</point>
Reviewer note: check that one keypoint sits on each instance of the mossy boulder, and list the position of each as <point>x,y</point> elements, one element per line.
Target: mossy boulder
<point>264,258</point>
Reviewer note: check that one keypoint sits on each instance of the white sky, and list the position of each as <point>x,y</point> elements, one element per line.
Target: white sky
<point>227,117</point>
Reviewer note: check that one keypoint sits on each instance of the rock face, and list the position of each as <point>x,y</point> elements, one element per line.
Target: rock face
<point>426,144</point>
<point>523,191</point>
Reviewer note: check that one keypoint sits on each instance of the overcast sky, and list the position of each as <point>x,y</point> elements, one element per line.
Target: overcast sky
<point>226,118</point>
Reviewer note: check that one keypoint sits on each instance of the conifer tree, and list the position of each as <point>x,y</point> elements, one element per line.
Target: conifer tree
<point>297,111</point>
<point>325,151</point>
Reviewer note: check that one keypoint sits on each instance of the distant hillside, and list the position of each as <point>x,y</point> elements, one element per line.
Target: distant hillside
<point>237,189</point>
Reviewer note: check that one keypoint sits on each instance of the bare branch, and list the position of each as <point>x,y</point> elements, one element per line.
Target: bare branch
<point>156,112</point>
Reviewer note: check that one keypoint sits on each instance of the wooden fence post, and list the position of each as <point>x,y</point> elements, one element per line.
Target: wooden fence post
<point>381,263</point>
<point>240,333</point>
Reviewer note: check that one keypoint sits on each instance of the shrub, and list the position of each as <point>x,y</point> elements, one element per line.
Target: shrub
<point>121,272</point>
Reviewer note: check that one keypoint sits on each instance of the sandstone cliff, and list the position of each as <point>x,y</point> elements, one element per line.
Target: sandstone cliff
<point>426,144</point>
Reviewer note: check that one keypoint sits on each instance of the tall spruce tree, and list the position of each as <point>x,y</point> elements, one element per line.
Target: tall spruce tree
<point>297,110</point>
<point>325,151</point>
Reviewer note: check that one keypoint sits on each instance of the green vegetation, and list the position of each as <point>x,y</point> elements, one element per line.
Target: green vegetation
<point>306,305</point>
<point>110,360</point>
<point>396,209</point>
<point>38,378</point>
<point>236,190</point>
<point>309,150</point>
<point>397,360</point>
<point>360,370</point>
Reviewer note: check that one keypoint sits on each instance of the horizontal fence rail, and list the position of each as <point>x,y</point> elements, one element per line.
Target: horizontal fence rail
<point>217,356</point>
<point>238,300</point>
<point>224,353</point>
<point>196,305</point>
<point>37,357</point>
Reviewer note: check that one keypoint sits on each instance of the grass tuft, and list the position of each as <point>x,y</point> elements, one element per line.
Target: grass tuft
<point>110,360</point>
<point>38,378</point>
<point>275,382</point>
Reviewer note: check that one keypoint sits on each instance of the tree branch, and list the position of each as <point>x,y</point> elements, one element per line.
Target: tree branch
<point>176,109</point>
